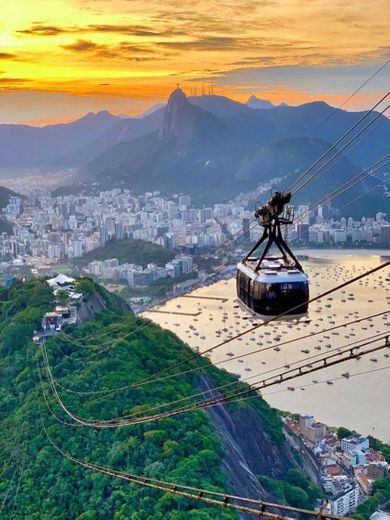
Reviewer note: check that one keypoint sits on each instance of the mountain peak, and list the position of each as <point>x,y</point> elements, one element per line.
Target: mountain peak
<point>177,98</point>
<point>103,115</point>
<point>177,101</point>
<point>255,102</point>
<point>150,110</point>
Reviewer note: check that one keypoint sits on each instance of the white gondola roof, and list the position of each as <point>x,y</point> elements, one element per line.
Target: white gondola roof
<point>281,275</point>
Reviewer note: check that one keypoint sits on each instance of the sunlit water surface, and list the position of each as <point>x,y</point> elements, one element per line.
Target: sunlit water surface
<point>361,402</point>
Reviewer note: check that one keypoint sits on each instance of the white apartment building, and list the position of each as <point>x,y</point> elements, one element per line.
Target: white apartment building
<point>345,502</point>
<point>354,443</point>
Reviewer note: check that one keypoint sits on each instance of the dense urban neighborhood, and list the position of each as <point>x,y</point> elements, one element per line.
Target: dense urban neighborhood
<point>345,464</point>
<point>43,228</point>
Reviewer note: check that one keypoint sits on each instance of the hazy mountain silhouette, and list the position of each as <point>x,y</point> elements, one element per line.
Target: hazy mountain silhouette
<point>210,157</point>
<point>210,146</point>
<point>150,110</point>
<point>28,146</point>
<point>191,147</point>
<point>220,106</point>
<point>255,102</point>
<point>122,130</point>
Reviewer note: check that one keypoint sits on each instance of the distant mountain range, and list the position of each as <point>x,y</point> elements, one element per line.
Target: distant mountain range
<point>209,146</point>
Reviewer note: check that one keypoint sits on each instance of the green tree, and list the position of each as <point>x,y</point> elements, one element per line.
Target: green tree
<point>342,432</point>
<point>297,478</point>
<point>296,496</point>
<point>62,297</point>
<point>378,445</point>
<point>85,286</point>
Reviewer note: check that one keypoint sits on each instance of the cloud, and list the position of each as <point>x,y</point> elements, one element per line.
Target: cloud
<point>131,30</point>
<point>81,46</point>
<point>7,56</point>
<point>380,54</point>
<point>40,29</point>
<point>123,50</point>
<point>290,58</point>
<point>10,81</point>
<point>233,43</point>
<point>316,79</point>
<point>205,44</point>
<point>258,60</point>
<point>175,21</point>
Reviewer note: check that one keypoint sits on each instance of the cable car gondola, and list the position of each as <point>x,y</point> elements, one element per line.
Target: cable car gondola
<point>272,285</point>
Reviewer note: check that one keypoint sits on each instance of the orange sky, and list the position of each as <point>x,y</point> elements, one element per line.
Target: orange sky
<point>62,58</point>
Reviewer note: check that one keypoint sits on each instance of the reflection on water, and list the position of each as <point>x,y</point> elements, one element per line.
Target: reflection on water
<point>211,314</point>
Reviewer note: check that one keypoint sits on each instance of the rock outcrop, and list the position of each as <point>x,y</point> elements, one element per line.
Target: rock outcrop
<point>248,449</point>
<point>94,303</point>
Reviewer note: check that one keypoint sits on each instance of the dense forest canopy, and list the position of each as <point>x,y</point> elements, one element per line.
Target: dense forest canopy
<point>130,251</point>
<point>37,482</point>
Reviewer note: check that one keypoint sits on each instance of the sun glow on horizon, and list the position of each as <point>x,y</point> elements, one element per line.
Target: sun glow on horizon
<point>130,54</point>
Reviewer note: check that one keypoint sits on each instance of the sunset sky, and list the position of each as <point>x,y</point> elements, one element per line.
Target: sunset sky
<point>62,58</point>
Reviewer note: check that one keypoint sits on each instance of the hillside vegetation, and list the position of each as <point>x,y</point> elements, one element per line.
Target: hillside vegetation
<point>295,488</point>
<point>379,499</point>
<point>5,226</point>
<point>381,488</point>
<point>37,482</point>
<point>5,194</point>
<point>137,252</point>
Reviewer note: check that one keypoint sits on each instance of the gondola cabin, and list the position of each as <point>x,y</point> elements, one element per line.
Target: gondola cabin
<point>273,285</point>
<point>274,289</point>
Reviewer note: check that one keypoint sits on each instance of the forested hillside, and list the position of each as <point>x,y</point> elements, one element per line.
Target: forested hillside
<point>38,483</point>
<point>137,252</point>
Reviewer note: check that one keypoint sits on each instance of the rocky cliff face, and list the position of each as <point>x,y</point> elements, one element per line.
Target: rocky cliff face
<point>248,449</point>
<point>177,103</point>
<point>97,302</point>
<point>186,124</point>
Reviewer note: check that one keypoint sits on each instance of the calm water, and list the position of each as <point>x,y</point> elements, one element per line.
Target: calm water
<point>360,402</point>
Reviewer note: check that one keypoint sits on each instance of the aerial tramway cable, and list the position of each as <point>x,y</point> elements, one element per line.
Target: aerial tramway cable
<point>330,197</point>
<point>350,97</point>
<point>282,378</point>
<point>240,233</point>
<point>318,161</point>
<point>365,192</point>
<point>344,284</point>
<point>340,150</point>
<point>237,503</point>
<point>292,373</point>
<point>201,282</point>
<point>347,185</point>
<point>157,375</point>
<point>225,503</point>
<point>223,361</point>
<point>357,344</point>
<point>268,285</point>
<point>324,381</point>
<point>19,466</point>
<point>261,324</point>
<point>214,498</point>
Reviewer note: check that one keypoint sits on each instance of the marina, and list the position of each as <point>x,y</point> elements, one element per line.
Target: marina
<point>350,401</point>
